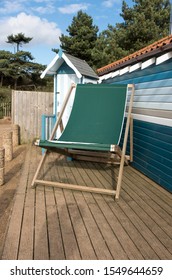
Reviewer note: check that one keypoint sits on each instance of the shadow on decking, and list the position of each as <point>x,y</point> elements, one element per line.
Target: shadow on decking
<point>52,223</point>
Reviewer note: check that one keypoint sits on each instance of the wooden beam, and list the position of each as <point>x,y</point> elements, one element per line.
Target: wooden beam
<point>89,153</point>
<point>75,187</point>
<point>62,111</point>
<point>131,139</point>
<point>125,142</point>
<point>119,153</point>
<point>96,159</point>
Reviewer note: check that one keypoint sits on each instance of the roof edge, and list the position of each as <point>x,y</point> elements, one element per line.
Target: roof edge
<point>163,44</point>
<point>69,63</point>
<point>52,63</point>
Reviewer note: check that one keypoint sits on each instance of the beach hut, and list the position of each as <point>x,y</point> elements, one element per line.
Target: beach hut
<point>150,69</point>
<point>66,69</point>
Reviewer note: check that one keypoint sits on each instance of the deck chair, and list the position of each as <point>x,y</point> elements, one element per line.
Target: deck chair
<point>93,131</point>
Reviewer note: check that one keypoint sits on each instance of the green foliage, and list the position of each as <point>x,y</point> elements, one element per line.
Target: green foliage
<point>82,37</point>
<point>146,22</point>
<point>143,23</point>
<point>19,68</point>
<point>107,48</point>
<point>18,39</point>
<point>5,93</point>
<point>55,50</point>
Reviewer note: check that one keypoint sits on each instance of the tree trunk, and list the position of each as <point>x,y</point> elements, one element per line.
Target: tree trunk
<point>15,84</point>
<point>1,82</point>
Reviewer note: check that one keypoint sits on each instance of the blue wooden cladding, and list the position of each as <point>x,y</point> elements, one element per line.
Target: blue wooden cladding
<point>152,113</point>
<point>153,152</point>
<point>152,149</point>
<point>48,122</point>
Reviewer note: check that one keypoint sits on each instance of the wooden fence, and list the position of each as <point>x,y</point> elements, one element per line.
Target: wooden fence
<point>5,108</point>
<point>27,109</point>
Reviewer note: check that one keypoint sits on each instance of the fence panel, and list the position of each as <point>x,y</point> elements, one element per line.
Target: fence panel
<point>5,108</point>
<point>27,110</point>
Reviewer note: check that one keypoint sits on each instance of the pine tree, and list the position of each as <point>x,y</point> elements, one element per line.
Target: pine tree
<point>18,39</point>
<point>143,23</point>
<point>82,37</point>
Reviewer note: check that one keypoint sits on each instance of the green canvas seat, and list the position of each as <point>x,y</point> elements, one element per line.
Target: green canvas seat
<point>96,120</point>
<point>93,130</point>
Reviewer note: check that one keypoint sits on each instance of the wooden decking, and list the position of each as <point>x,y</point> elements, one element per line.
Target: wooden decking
<point>51,223</point>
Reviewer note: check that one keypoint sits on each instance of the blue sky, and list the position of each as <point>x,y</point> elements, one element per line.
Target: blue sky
<point>46,20</point>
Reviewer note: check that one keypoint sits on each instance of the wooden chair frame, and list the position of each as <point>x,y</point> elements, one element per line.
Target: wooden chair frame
<point>91,155</point>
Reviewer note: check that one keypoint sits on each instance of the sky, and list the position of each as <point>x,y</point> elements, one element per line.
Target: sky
<point>46,20</point>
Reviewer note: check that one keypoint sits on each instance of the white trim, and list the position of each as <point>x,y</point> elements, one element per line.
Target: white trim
<point>69,63</point>
<point>108,76</point>
<point>49,70</point>
<point>112,148</point>
<point>124,70</point>
<point>147,63</point>
<point>105,77</point>
<point>163,58</point>
<point>151,119</point>
<point>68,142</point>
<point>52,63</point>
<point>152,105</point>
<point>135,67</point>
<point>114,74</point>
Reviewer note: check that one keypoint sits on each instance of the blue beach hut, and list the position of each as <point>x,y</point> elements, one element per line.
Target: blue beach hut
<point>150,69</point>
<point>65,69</point>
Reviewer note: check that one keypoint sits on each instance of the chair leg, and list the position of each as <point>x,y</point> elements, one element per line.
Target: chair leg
<point>118,188</point>
<point>38,169</point>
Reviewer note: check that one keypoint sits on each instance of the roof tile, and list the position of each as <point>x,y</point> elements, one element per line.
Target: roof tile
<point>156,45</point>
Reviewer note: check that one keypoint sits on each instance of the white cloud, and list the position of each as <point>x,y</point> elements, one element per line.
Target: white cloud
<point>47,6</point>
<point>49,9</point>
<point>41,30</point>
<point>73,8</point>
<point>109,3</point>
<point>11,6</point>
<point>16,6</point>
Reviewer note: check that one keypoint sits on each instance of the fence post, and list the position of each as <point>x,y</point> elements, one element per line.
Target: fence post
<point>15,129</point>
<point>7,144</point>
<point>2,166</point>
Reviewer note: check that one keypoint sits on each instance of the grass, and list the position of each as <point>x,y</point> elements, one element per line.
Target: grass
<point>5,93</point>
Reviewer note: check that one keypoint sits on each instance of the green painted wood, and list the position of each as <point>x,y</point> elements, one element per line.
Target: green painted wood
<point>65,69</point>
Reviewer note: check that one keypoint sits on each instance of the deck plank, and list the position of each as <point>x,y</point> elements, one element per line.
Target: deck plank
<point>13,235</point>
<point>81,233</point>
<point>11,246</point>
<point>26,247</point>
<point>152,189</point>
<point>145,231</point>
<point>27,229</point>
<point>83,201</point>
<point>41,249</point>
<point>98,242</point>
<point>153,186</point>
<point>54,232</point>
<point>69,239</point>
<point>52,223</point>
<point>107,233</point>
<point>155,218</point>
